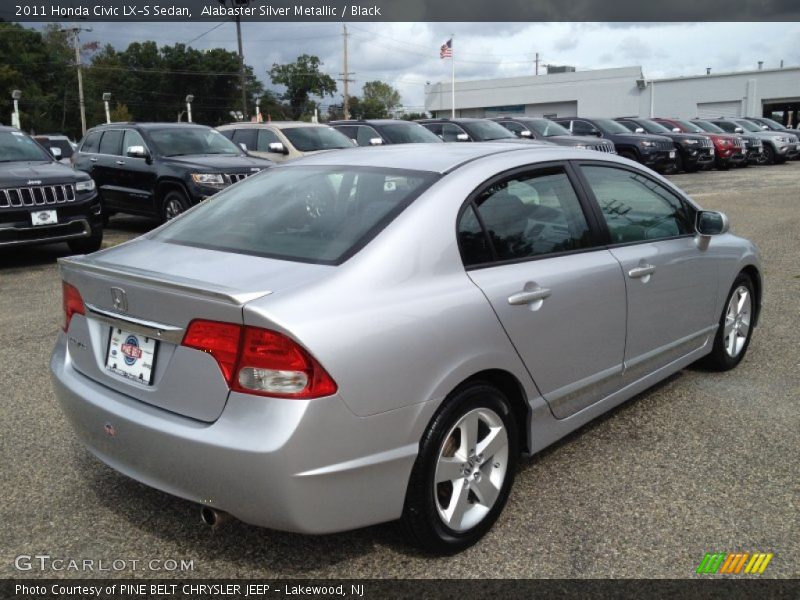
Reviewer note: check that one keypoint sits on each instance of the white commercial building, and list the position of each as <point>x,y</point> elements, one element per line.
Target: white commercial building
<point>625,91</point>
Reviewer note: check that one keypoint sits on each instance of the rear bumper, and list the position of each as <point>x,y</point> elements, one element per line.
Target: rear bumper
<point>309,466</point>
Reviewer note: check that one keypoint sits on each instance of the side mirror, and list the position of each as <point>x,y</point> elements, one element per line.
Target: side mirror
<point>525,134</point>
<point>639,130</point>
<point>376,141</point>
<point>764,127</point>
<point>462,137</point>
<point>710,223</point>
<point>136,152</point>
<point>738,130</point>
<point>676,130</point>
<point>56,152</point>
<point>243,146</point>
<point>278,148</point>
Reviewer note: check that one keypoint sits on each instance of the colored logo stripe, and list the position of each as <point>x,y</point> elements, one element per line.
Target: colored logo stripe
<point>723,563</point>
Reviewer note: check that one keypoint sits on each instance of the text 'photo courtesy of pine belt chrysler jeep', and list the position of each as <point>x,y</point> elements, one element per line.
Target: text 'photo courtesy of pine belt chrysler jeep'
<point>655,151</point>
<point>160,169</point>
<point>379,334</point>
<point>43,201</point>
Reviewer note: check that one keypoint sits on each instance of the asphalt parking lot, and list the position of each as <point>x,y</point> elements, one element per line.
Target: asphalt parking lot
<point>702,463</point>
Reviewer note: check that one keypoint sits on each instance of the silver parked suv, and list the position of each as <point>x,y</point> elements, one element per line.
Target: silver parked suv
<point>778,146</point>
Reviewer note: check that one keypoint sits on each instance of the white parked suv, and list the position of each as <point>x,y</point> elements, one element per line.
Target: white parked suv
<point>283,140</point>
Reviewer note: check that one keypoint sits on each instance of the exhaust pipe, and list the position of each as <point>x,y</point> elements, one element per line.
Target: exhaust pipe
<point>212,517</point>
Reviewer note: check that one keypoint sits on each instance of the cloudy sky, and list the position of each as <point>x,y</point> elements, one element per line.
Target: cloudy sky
<point>407,54</point>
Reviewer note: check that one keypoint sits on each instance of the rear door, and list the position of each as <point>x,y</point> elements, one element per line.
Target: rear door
<point>671,283</point>
<point>530,245</point>
<point>86,158</point>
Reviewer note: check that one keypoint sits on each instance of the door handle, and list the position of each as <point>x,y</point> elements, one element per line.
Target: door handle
<point>93,159</point>
<point>528,296</point>
<point>641,271</point>
<point>120,162</point>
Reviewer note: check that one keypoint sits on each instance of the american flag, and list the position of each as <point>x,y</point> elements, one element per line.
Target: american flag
<point>446,51</point>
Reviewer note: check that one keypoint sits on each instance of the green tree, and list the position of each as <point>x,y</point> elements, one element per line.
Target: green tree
<point>379,99</point>
<point>413,116</point>
<point>302,79</point>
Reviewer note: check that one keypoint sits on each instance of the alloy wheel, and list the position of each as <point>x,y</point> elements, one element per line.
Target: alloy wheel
<point>737,321</point>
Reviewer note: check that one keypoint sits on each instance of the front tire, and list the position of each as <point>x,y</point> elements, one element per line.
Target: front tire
<point>464,471</point>
<point>735,326</point>
<point>769,155</point>
<point>173,204</point>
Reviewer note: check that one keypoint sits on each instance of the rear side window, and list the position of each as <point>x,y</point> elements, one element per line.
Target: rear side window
<point>635,207</point>
<point>304,213</point>
<point>527,215</point>
<point>111,141</point>
<point>91,143</point>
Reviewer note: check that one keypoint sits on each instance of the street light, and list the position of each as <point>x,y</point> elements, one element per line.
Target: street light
<point>106,98</point>
<point>189,100</point>
<point>16,95</point>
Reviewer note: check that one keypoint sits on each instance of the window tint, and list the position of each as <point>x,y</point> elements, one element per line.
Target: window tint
<point>530,214</point>
<point>16,146</point>
<point>512,126</point>
<point>310,139</point>
<point>435,128</point>
<point>347,130</point>
<point>365,134</point>
<point>725,126</point>
<point>308,214</point>
<point>450,132</point>
<point>636,208</point>
<point>582,128</point>
<point>110,142</point>
<point>408,133</point>
<point>132,138</point>
<point>91,143</point>
<point>245,136</point>
<point>265,138</point>
<point>472,240</point>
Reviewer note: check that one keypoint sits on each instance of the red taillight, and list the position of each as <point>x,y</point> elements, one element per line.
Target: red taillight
<point>260,361</point>
<point>220,340</point>
<point>72,303</point>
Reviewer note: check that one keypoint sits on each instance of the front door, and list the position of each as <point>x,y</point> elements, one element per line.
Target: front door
<point>527,244</point>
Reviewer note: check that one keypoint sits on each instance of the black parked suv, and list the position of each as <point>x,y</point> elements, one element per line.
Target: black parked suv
<point>161,169</point>
<point>655,151</point>
<point>695,151</point>
<point>534,128</point>
<point>472,130</point>
<point>43,201</point>
<point>377,132</point>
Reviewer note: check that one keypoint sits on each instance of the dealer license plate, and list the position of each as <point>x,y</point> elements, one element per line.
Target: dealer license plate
<point>672,153</point>
<point>44,217</point>
<point>131,355</point>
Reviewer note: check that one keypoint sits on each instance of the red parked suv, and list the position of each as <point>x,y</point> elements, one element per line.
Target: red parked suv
<point>728,148</point>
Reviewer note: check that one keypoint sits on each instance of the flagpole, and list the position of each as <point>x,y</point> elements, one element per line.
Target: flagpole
<point>453,80</point>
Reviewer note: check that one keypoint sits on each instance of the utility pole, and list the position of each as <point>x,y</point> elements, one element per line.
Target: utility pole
<point>537,63</point>
<point>346,77</point>
<point>76,42</point>
<point>241,64</point>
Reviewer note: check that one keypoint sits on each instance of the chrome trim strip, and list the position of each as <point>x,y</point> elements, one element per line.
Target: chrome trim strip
<point>143,276</point>
<point>158,331</point>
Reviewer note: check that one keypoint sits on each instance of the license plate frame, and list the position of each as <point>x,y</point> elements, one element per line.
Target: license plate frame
<point>131,355</point>
<point>44,217</point>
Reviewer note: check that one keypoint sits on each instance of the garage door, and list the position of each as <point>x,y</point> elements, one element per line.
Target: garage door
<point>710,110</point>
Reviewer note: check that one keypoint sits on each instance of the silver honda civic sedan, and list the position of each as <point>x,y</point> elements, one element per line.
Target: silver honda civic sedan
<point>381,333</point>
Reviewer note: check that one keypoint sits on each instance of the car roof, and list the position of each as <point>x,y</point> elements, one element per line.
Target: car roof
<point>278,124</point>
<point>147,125</point>
<point>435,158</point>
<point>448,120</point>
<point>370,122</point>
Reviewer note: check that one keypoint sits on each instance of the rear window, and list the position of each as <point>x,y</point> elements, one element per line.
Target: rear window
<point>302,213</point>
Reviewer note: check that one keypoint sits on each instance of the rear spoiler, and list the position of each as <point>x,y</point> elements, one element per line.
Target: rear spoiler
<point>85,264</point>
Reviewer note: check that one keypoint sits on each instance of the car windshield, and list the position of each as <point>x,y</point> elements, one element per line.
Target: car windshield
<point>310,139</point>
<point>15,146</point>
<point>60,143</point>
<point>709,127</point>
<point>653,127</point>
<point>484,131</point>
<point>182,141</point>
<point>609,126</point>
<point>546,128</point>
<point>408,133</point>
<point>748,126</point>
<point>300,213</point>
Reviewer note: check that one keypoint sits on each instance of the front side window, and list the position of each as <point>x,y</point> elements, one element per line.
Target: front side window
<point>302,213</point>
<point>583,128</point>
<point>513,127</point>
<point>311,139</point>
<point>408,133</point>
<point>184,141</point>
<point>451,132</point>
<point>634,207</point>
<point>130,139</point>
<point>485,131</point>
<point>524,216</point>
<point>365,134</point>
<point>547,128</point>
<point>726,126</point>
<point>265,138</point>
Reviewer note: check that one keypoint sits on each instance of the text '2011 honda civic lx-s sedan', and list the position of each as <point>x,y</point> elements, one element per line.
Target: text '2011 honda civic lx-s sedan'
<point>325,346</point>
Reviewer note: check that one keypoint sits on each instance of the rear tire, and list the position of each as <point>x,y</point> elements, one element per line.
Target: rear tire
<point>464,471</point>
<point>89,244</point>
<point>735,327</point>
<point>173,204</point>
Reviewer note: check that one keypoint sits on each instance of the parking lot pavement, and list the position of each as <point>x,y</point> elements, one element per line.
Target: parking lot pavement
<point>702,463</point>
